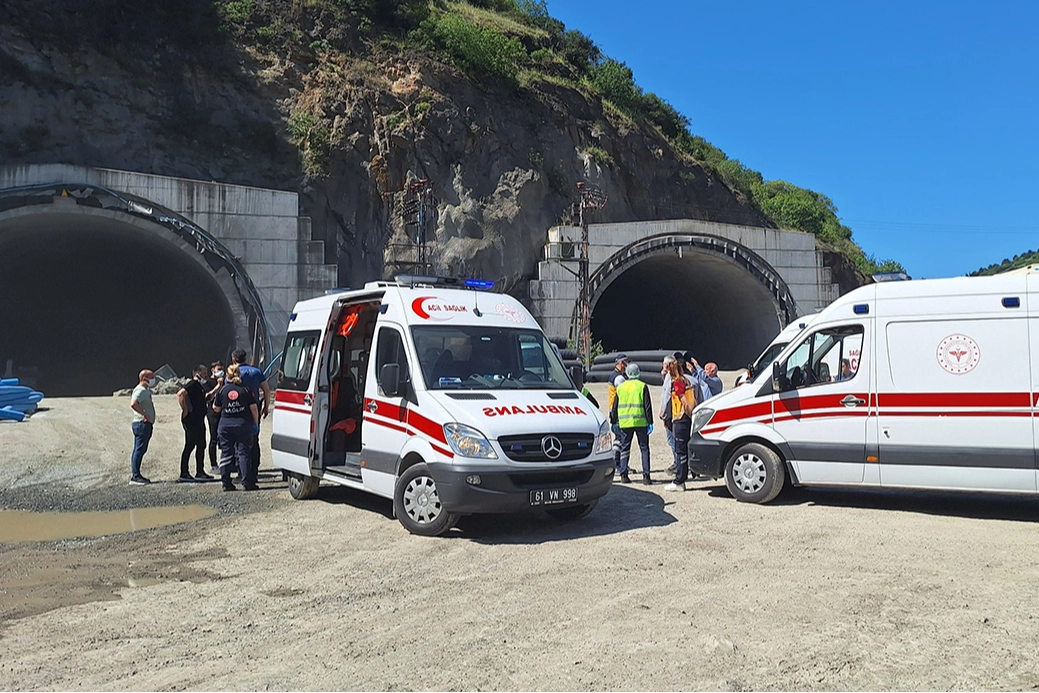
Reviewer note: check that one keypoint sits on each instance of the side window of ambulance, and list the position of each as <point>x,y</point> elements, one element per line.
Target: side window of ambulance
<point>297,363</point>
<point>829,355</point>
<point>390,349</point>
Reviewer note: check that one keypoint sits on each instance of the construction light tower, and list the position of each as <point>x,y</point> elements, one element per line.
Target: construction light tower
<point>591,198</point>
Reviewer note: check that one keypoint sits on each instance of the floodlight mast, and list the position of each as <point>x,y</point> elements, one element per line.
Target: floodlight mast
<point>591,198</point>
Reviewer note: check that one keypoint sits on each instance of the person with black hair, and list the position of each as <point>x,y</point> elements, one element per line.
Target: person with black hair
<point>192,401</point>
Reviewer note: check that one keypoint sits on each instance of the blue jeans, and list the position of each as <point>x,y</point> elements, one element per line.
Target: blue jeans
<point>642,433</point>
<point>142,433</point>
<point>670,442</point>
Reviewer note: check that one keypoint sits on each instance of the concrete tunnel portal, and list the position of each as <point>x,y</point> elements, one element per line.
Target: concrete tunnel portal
<point>718,300</point>
<point>90,296</point>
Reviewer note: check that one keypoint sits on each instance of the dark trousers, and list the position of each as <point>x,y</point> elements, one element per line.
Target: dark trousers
<point>142,433</point>
<point>194,440</point>
<point>214,423</point>
<point>236,444</point>
<point>681,430</point>
<point>628,436</point>
<point>254,455</point>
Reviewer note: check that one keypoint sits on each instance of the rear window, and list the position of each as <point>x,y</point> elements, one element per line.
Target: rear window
<point>297,361</point>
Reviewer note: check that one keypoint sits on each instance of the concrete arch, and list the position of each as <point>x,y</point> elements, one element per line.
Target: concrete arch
<point>49,232</point>
<point>695,291</point>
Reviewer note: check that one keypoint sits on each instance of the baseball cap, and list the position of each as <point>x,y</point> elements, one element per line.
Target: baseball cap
<point>620,357</point>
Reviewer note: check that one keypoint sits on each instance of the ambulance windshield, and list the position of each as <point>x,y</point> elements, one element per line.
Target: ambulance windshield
<point>472,357</point>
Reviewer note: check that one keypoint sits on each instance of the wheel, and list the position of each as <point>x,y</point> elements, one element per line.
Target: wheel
<point>417,505</point>
<point>572,512</point>
<point>754,474</point>
<point>302,487</point>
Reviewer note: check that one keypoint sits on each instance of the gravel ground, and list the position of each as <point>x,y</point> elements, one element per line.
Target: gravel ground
<point>820,590</point>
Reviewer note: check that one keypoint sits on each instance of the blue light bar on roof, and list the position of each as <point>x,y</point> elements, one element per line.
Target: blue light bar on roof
<point>479,284</point>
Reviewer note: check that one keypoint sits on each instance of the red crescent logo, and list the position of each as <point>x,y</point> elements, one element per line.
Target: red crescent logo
<point>416,306</point>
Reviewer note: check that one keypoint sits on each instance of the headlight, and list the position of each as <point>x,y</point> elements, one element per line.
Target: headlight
<point>466,441</point>
<point>701,418</point>
<point>604,442</point>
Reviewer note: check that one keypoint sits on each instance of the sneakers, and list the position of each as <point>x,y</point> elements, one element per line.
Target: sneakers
<point>674,487</point>
<point>139,481</point>
<point>646,480</point>
<point>183,478</point>
<point>202,476</point>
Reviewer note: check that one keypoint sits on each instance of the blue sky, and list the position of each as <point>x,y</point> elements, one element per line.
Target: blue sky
<point>918,119</point>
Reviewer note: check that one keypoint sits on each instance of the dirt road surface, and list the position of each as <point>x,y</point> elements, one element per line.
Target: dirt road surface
<point>652,591</point>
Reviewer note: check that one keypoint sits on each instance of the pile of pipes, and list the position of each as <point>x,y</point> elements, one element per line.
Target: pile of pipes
<point>17,401</point>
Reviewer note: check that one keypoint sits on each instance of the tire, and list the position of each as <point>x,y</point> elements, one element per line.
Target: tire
<point>754,474</point>
<point>569,354</point>
<point>417,505</point>
<point>302,487</point>
<point>572,512</point>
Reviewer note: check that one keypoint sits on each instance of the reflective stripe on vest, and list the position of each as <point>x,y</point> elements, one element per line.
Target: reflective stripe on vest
<point>631,412</point>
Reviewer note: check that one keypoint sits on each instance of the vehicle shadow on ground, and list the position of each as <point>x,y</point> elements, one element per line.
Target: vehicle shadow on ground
<point>623,509</point>
<point>966,504</point>
<point>341,495</point>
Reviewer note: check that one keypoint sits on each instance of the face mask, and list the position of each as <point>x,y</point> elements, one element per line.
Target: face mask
<point>218,374</point>
<point>152,382</point>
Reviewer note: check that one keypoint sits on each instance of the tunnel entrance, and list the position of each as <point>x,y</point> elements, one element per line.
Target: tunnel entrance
<point>688,298</point>
<point>87,301</point>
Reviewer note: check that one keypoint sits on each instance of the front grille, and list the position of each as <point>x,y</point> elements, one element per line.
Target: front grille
<point>528,448</point>
<point>560,479</point>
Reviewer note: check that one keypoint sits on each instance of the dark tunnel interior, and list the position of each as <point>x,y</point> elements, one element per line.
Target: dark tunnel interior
<point>698,301</point>
<point>86,302</point>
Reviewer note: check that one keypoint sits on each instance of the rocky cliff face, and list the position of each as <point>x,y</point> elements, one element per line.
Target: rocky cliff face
<point>159,92</point>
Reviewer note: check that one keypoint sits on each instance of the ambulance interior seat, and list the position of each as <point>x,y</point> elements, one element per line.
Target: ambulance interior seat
<point>343,404</point>
<point>445,367</point>
<point>824,373</point>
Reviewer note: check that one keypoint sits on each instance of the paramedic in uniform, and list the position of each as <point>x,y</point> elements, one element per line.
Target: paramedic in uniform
<point>253,380</point>
<point>239,421</point>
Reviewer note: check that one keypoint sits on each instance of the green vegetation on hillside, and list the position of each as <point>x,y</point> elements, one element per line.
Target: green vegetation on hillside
<point>1030,257</point>
<point>516,42</point>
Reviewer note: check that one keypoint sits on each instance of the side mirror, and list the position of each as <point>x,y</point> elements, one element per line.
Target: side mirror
<point>776,377</point>
<point>389,379</point>
<point>577,375</point>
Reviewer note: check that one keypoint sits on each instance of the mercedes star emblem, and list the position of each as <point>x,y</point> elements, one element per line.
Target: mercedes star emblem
<point>551,446</point>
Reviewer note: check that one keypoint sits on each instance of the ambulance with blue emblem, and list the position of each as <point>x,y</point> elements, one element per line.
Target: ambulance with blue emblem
<point>440,395</point>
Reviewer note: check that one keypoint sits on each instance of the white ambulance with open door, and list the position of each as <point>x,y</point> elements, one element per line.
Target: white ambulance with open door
<point>448,401</point>
<point>939,392</point>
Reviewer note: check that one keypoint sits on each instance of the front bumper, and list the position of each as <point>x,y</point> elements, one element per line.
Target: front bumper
<point>505,488</point>
<point>705,456</point>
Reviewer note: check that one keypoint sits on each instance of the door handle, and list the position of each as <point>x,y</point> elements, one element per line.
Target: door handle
<point>852,401</point>
<point>372,405</point>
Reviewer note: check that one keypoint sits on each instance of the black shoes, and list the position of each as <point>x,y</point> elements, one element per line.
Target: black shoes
<point>251,487</point>
<point>230,487</point>
<point>625,479</point>
<point>646,480</point>
<point>184,478</point>
<point>139,481</point>
<point>202,476</point>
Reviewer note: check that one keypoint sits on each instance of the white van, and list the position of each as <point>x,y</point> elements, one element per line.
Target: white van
<point>939,393</point>
<point>772,350</point>
<point>448,401</point>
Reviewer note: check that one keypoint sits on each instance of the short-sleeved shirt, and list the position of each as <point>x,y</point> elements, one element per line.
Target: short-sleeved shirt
<point>196,401</point>
<point>251,379</point>
<point>143,397</point>
<point>234,402</point>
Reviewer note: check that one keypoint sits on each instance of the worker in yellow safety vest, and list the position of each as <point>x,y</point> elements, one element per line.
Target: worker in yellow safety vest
<point>615,379</point>
<point>633,413</point>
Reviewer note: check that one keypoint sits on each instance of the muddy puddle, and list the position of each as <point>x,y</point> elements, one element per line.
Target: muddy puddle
<point>18,526</point>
